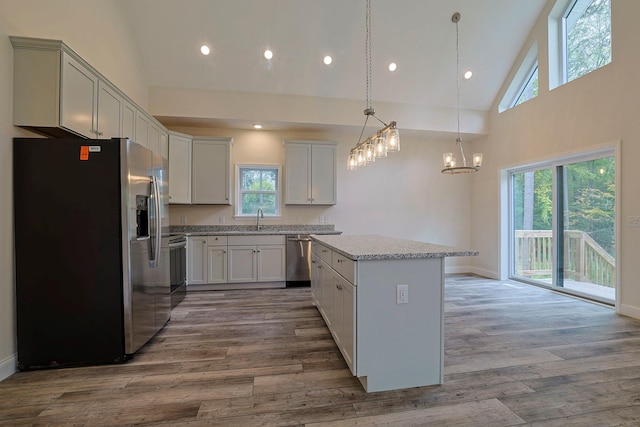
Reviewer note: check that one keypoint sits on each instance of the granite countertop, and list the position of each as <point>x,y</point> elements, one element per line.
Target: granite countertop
<point>366,247</point>
<point>250,230</point>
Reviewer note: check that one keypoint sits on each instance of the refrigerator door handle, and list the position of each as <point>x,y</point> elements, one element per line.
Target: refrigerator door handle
<point>157,220</point>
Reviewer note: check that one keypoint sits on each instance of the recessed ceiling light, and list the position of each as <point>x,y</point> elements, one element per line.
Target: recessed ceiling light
<point>257,126</point>
<point>468,75</point>
<point>268,54</point>
<point>204,49</point>
<point>393,66</point>
<point>328,60</point>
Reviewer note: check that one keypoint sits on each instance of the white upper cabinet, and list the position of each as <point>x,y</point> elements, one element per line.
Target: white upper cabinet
<point>179,168</point>
<point>211,168</point>
<point>129,113</point>
<point>310,173</point>
<point>110,108</point>
<point>78,98</point>
<point>58,94</point>
<point>142,129</point>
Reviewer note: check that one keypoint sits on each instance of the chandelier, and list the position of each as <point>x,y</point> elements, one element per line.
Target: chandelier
<point>451,165</point>
<point>385,140</point>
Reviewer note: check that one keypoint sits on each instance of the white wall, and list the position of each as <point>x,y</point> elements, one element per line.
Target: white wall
<point>403,195</point>
<point>94,29</point>
<point>599,108</point>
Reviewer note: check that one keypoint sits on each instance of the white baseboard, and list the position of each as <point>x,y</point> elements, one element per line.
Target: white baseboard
<point>628,310</point>
<point>8,367</point>
<point>471,270</point>
<point>489,274</point>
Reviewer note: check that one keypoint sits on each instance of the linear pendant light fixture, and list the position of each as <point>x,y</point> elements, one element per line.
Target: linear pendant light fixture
<point>387,139</point>
<point>450,163</point>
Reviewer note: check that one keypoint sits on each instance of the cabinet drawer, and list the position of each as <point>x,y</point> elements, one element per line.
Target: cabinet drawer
<point>324,253</point>
<point>271,239</point>
<point>217,240</point>
<point>344,266</point>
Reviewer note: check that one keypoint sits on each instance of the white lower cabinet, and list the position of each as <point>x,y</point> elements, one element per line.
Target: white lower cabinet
<point>387,344</point>
<point>335,298</point>
<point>344,318</point>
<point>217,259</point>
<point>243,264</point>
<point>197,273</point>
<point>250,259</point>
<point>256,259</point>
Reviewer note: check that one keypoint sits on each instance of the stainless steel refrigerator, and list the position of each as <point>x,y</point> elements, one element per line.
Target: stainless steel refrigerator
<point>92,257</point>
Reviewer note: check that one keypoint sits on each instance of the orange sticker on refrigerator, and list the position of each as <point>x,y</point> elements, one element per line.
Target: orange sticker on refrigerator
<point>84,152</point>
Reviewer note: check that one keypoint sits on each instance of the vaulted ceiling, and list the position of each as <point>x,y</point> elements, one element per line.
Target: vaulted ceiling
<point>418,35</point>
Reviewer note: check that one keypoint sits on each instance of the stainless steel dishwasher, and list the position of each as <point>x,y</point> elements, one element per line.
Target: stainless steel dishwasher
<point>298,260</point>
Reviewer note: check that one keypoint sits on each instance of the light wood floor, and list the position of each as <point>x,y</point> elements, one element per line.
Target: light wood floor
<point>515,354</point>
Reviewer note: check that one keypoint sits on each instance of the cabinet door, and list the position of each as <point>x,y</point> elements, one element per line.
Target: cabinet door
<point>271,263</point>
<point>297,174</point>
<point>154,137</point>
<point>197,273</point>
<point>242,264</point>
<point>164,144</point>
<point>211,165</point>
<point>316,272</point>
<point>326,285</point>
<point>179,169</point>
<point>110,106</point>
<point>129,113</point>
<point>337,321</point>
<point>142,129</point>
<point>348,330</point>
<point>323,174</point>
<point>217,264</point>
<point>79,98</point>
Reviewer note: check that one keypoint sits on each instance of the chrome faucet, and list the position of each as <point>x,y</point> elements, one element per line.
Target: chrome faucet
<point>259,215</point>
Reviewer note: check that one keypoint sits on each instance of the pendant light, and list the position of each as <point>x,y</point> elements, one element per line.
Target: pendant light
<point>385,140</point>
<point>450,162</point>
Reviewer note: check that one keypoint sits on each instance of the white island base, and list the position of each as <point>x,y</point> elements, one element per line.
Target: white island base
<point>387,343</point>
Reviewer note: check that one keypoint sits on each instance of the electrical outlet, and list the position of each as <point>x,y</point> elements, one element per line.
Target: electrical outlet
<point>634,221</point>
<point>183,219</point>
<point>402,294</point>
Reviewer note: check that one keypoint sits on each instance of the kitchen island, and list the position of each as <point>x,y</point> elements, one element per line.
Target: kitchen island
<point>382,299</point>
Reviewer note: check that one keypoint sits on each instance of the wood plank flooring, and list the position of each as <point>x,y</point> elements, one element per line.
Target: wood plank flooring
<point>515,355</point>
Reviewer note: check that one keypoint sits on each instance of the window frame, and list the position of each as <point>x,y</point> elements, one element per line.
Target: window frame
<point>239,192</point>
<point>519,82</point>
<point>566,16</point>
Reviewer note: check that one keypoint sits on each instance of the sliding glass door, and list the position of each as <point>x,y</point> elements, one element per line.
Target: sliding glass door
<point>563,225</point>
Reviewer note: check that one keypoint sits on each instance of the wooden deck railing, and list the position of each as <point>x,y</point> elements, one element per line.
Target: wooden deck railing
<point>585,259</point>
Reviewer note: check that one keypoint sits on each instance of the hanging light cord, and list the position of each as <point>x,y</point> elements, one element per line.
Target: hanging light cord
<point>459,138</point>
<point>367,53</point>
<point>369,111</point>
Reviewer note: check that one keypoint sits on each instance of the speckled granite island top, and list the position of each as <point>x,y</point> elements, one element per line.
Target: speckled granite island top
<point>363,247</point>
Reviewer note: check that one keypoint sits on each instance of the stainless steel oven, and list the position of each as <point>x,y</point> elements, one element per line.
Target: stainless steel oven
<point>178,267</point>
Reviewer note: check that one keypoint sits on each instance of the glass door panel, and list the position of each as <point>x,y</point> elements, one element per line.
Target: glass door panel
<point>532,198</point>
<point>587,220</point>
